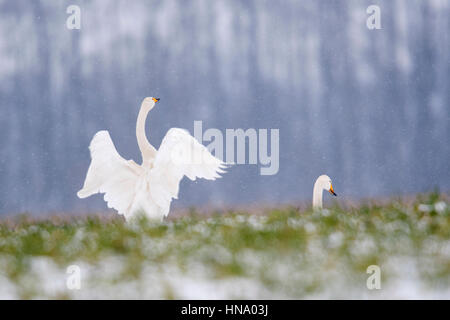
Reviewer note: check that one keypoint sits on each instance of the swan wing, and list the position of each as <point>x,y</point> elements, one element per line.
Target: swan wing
<point>110,174</point>
<point>180,154</point>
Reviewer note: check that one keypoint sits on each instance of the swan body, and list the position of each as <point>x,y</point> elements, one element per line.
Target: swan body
<point>150,187</point>
<point>322,183</point>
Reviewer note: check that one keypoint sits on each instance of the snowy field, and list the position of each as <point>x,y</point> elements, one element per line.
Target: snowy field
<point>270,254</point>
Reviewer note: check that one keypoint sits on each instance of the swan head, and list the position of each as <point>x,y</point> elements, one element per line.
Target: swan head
<point>149,102</point>
<point>324,182</point>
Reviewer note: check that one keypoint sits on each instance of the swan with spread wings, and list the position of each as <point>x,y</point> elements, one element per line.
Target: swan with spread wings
<point>150,187</point>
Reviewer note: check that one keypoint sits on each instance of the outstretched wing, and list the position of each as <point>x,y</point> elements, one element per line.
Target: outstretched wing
<point>180,155</point>
<point>109,173</point>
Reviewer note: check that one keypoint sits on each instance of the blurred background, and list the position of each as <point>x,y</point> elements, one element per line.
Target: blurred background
<point>370,108</point>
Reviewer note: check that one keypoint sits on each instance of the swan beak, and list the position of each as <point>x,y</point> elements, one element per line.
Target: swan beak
<point>332,191</point>
<point>156,99</point>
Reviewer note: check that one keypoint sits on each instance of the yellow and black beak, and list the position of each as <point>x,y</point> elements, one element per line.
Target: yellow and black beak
<point>156,99</point>
<point>332,191</point>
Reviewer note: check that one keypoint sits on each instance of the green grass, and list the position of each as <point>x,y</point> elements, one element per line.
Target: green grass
<point>281,253</point>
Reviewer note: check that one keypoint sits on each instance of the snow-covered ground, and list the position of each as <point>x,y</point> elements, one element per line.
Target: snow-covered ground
<point>283,254</point>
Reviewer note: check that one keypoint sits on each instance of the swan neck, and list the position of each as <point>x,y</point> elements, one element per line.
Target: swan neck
<point>143,143</point>
<point>317,196</point>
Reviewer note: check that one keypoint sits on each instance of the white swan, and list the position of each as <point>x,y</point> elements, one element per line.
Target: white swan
<point>148,188</point>
<point>322,183</point>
